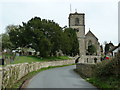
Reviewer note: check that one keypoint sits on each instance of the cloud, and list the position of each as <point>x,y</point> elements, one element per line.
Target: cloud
<point>59,1</point>
<point>100,17</point>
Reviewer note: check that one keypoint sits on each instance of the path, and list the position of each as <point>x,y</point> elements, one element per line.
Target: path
<point>62,77</point>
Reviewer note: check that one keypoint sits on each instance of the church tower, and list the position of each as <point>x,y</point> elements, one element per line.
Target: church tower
<point>77,22</point>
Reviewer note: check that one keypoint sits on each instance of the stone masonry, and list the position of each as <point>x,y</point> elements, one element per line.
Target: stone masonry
<point>10,74</point>
<point>77,22</point>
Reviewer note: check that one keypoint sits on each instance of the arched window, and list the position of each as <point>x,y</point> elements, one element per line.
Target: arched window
<point>89,43</point>
<point>76,21</point>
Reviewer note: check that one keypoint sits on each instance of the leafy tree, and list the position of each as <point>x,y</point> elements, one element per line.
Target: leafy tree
<point>106,48</point>
<point>15,34</point>
<point>6,43</point>
<point>102,51</point>
<point>91,49</point>
<point>66,46</point>
<point>101,47</point>
<point>73,45</point>
<point>45,47</point>
<point>45,36</point>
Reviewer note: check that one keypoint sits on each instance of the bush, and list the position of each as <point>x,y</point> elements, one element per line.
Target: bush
<point>108,68</point>
<point>107,74</point>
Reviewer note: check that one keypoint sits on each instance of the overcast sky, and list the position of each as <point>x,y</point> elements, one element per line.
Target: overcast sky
<point>119,22</point>
<point>101,16</point>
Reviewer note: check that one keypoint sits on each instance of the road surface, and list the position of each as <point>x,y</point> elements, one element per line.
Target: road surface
<point>62,77</point>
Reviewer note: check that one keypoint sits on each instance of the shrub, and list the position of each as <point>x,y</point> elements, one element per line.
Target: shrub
<point>108,68</point>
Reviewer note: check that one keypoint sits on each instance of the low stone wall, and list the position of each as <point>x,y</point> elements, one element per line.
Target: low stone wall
<point>13,73</point>
<point>0,77</point>
<point>85,69</point>
<point>89,59</point>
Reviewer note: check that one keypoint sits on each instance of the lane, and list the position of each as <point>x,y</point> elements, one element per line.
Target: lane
<point>62,77</point>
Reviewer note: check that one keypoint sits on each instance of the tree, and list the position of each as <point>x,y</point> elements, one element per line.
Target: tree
<point>91,49</point>
<point>15,34</point>
<point>101,48</point>
<point>45,36</point>
<point>37,33</point>
<point>72,42</point>
<point>6,43</point>
<point>107,47</point>
<point>45,47</point>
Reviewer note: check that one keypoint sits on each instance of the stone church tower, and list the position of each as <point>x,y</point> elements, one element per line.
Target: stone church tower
<point>77,22</point>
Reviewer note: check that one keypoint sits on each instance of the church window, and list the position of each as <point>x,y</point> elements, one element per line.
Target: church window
<point>89,43</point>
<point>76,21</point>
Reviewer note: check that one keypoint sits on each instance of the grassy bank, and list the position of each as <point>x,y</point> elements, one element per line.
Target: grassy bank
<point>110,82</point>
<point>30,59</point>
<point>31,74</point>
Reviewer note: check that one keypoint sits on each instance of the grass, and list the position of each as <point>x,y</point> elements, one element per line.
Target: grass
<point>30,59</point>
<point>31,74</point>
<point>8,55</point>
<point>106,74</point>
<point>110,82</point>
<point>0,56</point>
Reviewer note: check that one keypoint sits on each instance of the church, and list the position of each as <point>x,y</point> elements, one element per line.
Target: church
<point>77,22</point>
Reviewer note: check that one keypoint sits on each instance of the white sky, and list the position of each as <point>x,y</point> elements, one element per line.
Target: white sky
<point>101,16</point>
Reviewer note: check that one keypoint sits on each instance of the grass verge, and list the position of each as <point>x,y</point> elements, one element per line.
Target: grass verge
<point>110,83</point>
<point>30,59</point>
<point>19,83</point>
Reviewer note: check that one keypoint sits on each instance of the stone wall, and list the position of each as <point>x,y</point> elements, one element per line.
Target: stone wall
<point>89,59</point>
<point>13,73</point>
<point>85,69</point>
<point>0,77</point>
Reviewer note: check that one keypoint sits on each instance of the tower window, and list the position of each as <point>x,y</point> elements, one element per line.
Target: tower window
<point>76,21</point>
<point>77,29</point>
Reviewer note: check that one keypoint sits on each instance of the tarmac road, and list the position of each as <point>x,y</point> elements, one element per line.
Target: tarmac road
<point>62,77</point>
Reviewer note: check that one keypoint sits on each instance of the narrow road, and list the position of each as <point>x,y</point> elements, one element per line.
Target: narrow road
<point>62,77</point>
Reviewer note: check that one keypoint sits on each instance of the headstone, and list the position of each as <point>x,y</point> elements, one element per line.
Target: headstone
<point>2,61</point>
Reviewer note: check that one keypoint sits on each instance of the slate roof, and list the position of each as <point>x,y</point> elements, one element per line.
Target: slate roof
<point>111,44</point>
<point>115,47</point>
